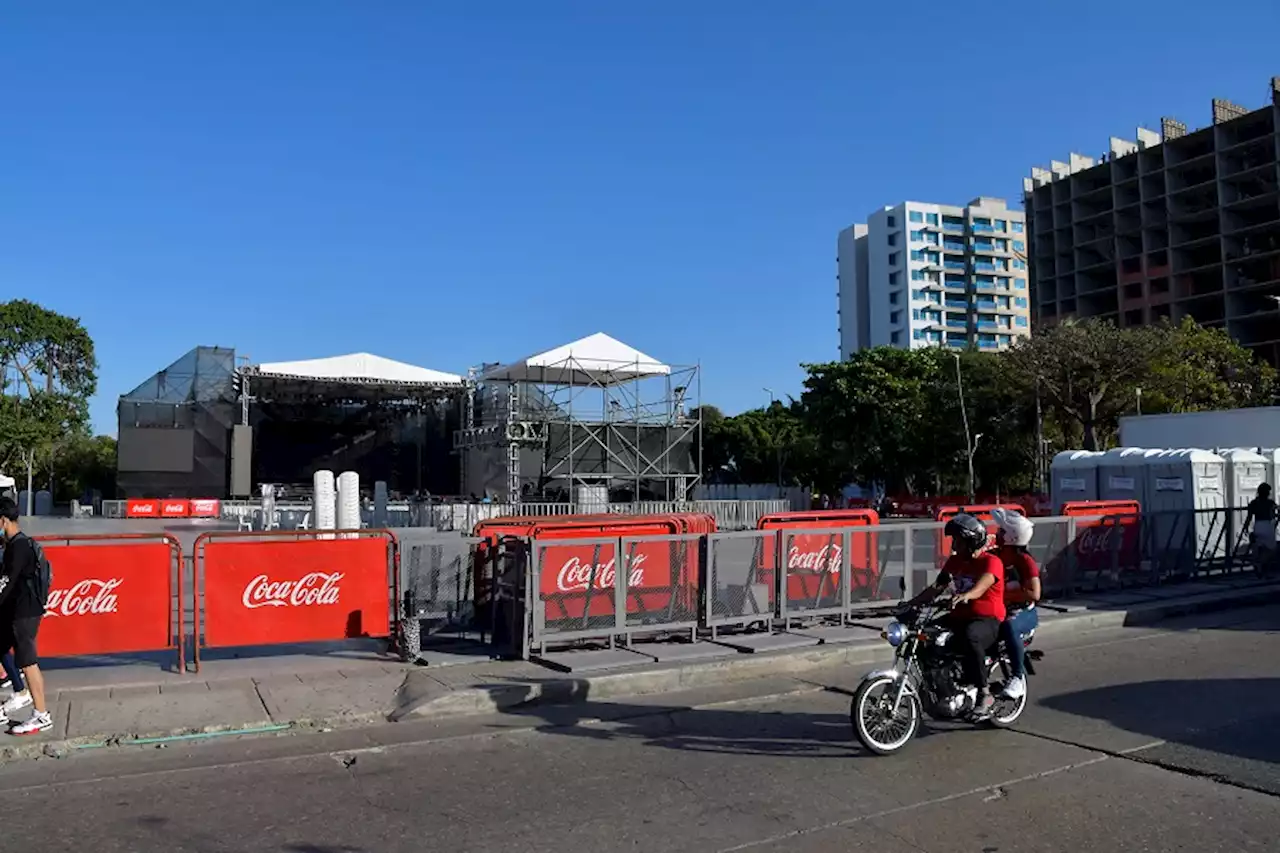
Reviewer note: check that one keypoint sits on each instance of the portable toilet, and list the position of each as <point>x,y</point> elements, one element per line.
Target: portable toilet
<point>1073,476</point>
<point>1246,470</point>
<point>1271,457</point>
<point>1180,482</point>
<point>1122,475</point>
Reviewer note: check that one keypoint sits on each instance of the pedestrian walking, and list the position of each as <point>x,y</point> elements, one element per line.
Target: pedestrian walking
<point>24,588</point>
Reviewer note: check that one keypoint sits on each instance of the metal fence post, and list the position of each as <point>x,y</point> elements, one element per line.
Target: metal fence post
<point>908,561</point>
<point>846,576</point>
<point>621,572</point>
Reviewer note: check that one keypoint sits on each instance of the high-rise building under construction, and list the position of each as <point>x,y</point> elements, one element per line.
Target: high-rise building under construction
<point>1173,224</point>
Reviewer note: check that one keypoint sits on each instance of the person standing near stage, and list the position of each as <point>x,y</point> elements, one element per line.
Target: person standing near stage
<point>22,601</point>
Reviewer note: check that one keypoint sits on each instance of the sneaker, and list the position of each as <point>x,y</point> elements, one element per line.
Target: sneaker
<point>1014,688</point>
<point>16,702</point>
<point>33,725</point>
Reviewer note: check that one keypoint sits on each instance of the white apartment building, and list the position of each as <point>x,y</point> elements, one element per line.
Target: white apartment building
<point>921,275</point>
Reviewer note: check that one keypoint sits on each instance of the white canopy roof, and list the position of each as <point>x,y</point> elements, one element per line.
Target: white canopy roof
<point>594,360</point>
<point>359,368</point>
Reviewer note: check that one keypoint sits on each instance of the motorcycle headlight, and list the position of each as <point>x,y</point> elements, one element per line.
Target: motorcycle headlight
<point>895,633</point>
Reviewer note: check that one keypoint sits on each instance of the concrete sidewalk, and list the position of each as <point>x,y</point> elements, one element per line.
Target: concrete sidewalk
<point>330,687</point>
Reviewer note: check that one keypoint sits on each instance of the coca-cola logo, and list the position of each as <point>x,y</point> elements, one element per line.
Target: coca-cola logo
<point>89,597</point>
<point>204,505</point>
<point>1095,540</point>
<point>314,589</point>
<point>824,560</point>
<point>576,575</point>
<point>175,507</point>
<point>144,508</point>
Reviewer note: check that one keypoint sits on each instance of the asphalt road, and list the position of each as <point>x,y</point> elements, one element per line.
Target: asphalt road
<point>1159,739</point>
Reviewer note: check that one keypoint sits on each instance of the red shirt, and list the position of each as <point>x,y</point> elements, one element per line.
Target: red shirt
<point>1019,567</point>
<point>965,572</point>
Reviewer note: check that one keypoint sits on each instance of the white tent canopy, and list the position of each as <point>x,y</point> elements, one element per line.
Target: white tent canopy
<point>360,368</point>
<point>594,360</point>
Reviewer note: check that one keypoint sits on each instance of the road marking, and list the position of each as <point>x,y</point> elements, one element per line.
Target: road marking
<point>841,824</point>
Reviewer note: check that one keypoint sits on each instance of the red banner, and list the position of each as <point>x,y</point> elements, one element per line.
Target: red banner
<point>108,598</point>
<point>204,508</point>
<point>174,508</point>
<point>577,579</point>
<point>148,508</point>
<point>1098,538</point>
<point>294,590</point>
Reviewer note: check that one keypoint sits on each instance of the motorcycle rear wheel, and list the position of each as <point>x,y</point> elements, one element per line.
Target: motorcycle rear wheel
<point>868,708</point>
<point>1006,711</point>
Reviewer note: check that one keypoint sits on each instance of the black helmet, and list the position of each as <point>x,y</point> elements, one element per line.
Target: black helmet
<point>967,529</point>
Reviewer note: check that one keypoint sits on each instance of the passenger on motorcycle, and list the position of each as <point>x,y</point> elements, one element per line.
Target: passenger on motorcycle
<point>978,605</point>
<point>1022,591</point>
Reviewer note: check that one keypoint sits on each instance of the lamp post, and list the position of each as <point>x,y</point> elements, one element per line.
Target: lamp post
<point>964,417</point>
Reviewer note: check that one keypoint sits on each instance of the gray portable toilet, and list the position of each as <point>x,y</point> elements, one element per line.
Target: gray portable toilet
<point>1073,477</point>
<point>1246,470</point>
<point>1271,456</point>
<point>1180,482</point>
<point>1122,475</point>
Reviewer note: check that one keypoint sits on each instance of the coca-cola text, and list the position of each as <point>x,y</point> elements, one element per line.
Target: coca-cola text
<point>314,589</point>
<point>84,598</point>
<point>826,559</point>
<point>576,575</point>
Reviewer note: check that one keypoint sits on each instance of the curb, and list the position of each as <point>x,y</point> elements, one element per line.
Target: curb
<point>487,699</point>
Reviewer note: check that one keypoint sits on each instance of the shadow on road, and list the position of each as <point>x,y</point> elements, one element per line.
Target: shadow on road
<point>1232,716</point>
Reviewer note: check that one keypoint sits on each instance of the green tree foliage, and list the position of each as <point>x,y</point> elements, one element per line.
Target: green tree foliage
<point>48,372</point>
<point>893,416</point>
<point>83,466</point>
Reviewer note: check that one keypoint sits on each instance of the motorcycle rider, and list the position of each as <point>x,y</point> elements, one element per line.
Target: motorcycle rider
<point>977,608</point>
<point>1022,591</point>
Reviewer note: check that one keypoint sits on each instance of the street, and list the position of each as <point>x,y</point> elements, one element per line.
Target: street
<point>1155,739</point>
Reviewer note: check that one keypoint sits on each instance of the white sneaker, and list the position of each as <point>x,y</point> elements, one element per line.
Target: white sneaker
<point>1015,688</point>
<point>16,702</point>
<point>33,725</point>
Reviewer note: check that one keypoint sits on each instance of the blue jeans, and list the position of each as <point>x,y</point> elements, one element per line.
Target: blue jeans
<point>12,672</point>
<point>1011,630</point>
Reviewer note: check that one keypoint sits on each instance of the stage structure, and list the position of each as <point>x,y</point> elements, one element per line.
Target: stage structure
<point>384,419</point>
<point>593,413</point>
<point>173,429</point>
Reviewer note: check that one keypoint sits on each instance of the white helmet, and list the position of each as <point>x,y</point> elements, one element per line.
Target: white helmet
<point>1017,528</point>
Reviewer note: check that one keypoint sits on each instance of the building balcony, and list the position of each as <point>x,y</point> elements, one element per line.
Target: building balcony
<point>954,265</point>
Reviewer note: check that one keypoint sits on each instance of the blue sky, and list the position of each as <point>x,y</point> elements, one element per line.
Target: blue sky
<point>450,183</point>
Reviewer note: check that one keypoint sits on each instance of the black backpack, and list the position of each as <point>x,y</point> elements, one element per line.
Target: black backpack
<point>43,581</point>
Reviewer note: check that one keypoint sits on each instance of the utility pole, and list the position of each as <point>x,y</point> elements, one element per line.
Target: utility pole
<point>964,416</point>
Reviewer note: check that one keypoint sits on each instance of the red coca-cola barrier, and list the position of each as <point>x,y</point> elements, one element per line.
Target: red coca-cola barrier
<point>112,594</point>
<point>814,559</point>
<point>295,586</point>
<point>142,508</point>
<point>1103,527</point>
<point>573,577</point>
<point>979,511</point>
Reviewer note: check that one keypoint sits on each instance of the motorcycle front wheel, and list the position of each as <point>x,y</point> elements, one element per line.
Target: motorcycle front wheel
<point>876,725</point>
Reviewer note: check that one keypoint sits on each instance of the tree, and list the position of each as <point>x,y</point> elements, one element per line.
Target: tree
<point>85,465</point>
<point>1087,372</point>
<point>769,445</point>
<point>48,372</point>
<point>1202,369</point>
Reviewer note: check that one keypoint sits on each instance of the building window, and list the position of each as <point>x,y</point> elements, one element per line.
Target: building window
<point>1020,301</point>
<point>1020,321</point>
<point>1017,227</point>
<point>895,317</point>
<point>893,259</point>
<point>893,297</point>
<point>896,339</point>
<point>1001,225</point>
<point>893,278</point>
<point>1019,265</point>
<point>893,222</point>
<point>917,254</point>
<point>918,275</point>
<point>931,218</point>
<point>916,216</point>
<point>1019,246</point>
<point>1020,283</point>
<point>893,238</point>
<point>917,236</point>
<point>919,334</point>
<point>917,294</point>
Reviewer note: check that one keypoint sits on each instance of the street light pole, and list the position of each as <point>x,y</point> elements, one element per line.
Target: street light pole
<point>964,416</point>
<point>777,442</point>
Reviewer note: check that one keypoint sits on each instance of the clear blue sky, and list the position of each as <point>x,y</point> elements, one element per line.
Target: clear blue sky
<point>450,183</point>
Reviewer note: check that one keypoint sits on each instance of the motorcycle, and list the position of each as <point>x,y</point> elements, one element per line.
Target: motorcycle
<point>927,677</point>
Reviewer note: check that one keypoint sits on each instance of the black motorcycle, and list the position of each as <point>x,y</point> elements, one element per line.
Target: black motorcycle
<point>928,678</point>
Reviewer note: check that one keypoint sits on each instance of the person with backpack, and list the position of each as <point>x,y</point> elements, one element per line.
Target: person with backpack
<point>25,577</point>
